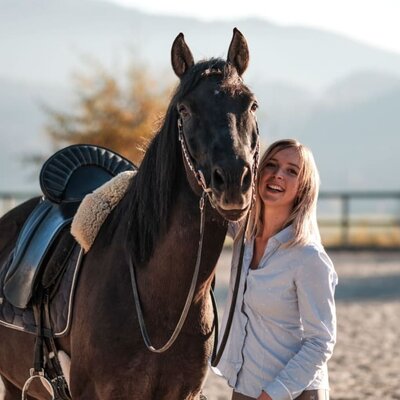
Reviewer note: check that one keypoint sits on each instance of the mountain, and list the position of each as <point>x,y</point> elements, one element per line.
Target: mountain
<point>360,87</point>
<point>44,39</point>
<point>339,96</point>
<point>356,147</point>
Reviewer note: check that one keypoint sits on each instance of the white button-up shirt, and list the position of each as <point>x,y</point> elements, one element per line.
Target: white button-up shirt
<point>284,326</point>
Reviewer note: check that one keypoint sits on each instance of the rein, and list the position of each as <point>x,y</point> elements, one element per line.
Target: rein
<point>216,356</point>
<point>199,176</point>
<point>189,298</point>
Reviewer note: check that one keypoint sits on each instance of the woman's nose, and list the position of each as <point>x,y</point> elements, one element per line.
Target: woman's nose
<point>279,173</point>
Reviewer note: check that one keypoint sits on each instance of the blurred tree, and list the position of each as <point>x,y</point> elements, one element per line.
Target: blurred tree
<point>120,114</point>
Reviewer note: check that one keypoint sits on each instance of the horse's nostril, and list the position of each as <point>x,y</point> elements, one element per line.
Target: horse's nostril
<point>218,178</point>
<point>246,179</point>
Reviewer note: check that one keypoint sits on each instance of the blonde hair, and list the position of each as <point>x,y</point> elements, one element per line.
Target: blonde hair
<point>304,213</point>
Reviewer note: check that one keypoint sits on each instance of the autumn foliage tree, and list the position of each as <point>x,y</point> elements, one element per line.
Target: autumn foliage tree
<point>120,114</point>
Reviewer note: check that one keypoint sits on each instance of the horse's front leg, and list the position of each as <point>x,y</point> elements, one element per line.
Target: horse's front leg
<point>103,383</point>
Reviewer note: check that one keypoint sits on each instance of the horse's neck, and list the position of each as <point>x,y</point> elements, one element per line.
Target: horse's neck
<point>175,255</point>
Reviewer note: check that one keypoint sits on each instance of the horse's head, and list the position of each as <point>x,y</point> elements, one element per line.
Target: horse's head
<point>217,124</point>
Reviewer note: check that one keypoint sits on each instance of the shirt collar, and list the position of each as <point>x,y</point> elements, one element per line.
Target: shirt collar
<point>284,235</point>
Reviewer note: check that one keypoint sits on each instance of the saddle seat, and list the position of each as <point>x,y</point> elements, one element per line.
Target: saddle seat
<point>65,179</point>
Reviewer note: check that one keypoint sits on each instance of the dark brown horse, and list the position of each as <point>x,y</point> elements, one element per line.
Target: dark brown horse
<point>156,225</point>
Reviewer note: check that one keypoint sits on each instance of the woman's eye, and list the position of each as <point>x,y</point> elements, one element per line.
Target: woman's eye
<point>269,165</point>
<point>293,172</point>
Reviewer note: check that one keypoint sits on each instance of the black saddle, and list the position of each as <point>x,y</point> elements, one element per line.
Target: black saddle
<point>65,179</point>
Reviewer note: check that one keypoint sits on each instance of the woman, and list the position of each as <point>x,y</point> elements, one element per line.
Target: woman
<point>284,327</point>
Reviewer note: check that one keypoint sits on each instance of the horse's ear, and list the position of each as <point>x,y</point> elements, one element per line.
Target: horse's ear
<point>238,53</point>
<point>181,56</point>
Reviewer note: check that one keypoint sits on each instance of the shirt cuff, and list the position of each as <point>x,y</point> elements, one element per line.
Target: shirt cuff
<point>278,391</point>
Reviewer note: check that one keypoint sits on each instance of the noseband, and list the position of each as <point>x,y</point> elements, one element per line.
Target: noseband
<point>199,176</point>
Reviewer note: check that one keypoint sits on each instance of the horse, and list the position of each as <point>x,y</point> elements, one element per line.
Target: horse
<point>207,143</point>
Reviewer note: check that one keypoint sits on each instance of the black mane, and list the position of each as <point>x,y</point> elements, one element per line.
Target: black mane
<point>149,198</point>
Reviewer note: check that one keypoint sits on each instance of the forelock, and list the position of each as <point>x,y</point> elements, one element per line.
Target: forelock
<point>231,82</point>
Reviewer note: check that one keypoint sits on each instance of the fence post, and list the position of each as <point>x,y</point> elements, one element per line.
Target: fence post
<point>345,199</point>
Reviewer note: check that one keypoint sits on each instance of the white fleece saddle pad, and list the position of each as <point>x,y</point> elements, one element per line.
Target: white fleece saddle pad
<point>95,208</point>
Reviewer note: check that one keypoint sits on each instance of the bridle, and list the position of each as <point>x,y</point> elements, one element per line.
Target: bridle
<point>206,191</point>
<point>197,173</point>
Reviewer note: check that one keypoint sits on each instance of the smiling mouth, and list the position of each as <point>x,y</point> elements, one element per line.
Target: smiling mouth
<point>275,188</point>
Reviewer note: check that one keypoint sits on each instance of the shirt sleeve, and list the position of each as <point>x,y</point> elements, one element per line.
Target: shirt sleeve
<point>315,282</point>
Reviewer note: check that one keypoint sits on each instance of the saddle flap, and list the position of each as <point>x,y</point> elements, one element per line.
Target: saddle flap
<point>36,238</point>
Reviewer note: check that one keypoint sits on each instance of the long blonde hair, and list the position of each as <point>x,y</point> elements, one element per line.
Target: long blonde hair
<point>304,213</point>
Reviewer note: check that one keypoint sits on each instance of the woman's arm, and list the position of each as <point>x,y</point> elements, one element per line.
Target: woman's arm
<point>315,281</point>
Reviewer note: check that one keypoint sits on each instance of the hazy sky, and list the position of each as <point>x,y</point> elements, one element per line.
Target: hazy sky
<point>375,22</point>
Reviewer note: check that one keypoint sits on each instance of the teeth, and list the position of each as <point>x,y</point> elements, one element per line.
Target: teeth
<point>275,187</point>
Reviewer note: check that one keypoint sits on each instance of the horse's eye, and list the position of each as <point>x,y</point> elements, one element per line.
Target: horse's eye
<point>183,111</point>
<point>254,106</point>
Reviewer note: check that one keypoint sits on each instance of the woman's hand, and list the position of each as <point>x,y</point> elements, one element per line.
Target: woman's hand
<point>264,396</point>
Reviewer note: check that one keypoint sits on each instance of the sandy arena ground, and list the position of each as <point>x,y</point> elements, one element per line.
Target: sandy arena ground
<point>366,361</point>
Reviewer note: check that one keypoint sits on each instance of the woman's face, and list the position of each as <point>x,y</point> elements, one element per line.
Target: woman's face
<point>279,180</point>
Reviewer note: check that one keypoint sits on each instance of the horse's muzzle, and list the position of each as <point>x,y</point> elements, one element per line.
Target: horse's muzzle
<point>231,188</point>
<point>231,181</point>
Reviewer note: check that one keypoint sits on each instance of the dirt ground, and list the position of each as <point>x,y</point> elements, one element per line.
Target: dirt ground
<point>366,360</point>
